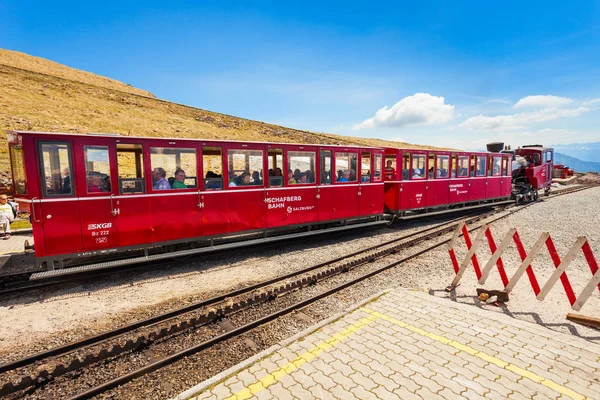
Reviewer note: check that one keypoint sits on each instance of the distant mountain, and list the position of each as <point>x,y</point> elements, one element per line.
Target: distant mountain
<point>582,151</point>
<point>576,164</point>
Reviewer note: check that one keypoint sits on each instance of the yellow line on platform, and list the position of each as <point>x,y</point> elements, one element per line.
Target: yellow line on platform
<point>486,357</point>
<point>293,365</point>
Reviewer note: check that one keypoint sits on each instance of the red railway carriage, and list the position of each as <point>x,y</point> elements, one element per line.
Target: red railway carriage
<point>95,194</point>
<point>422,179</point>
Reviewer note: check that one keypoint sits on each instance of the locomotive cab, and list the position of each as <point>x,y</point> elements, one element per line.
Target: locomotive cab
<point>533,172</point>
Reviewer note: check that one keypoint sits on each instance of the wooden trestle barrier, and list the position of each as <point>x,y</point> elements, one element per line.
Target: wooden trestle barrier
<point>526,258</point>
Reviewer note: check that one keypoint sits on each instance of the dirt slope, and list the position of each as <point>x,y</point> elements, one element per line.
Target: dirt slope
<point>42,95</point>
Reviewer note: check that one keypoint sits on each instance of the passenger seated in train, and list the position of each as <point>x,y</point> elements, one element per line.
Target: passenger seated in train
<point>243,179</point>
<point>158,179</point>
<point>463,172</point>
<point>345,176</point>
<point>325,177</point>
<point>389,171</point>
<point>213,181</point>
<point>302,178</point>
<point>277,172</point>
<point>291,179</point>
<point>95,182</point>
<point>430,173</point>
<point>366,178</point>
<point>66,183</point>
<point>310,176</point>
<point>417,174</point>
<point>256,178</point>
<point>178,183</point>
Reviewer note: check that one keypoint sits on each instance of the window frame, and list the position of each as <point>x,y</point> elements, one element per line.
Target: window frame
<point>11,154</point>
<point>110,168</point>
<point>173,147</point>
<point>449,169</point>
<point>286,163</point>
<point>377,167</point>
<point>492,159</point>
<point>205,170</point>
<point>335,156</point>
<point>244,148</point>
<point>323,154</point>
<point>458,166</point>
<point>42,172</point>
<point>485,163</point>
<point>412,166</point>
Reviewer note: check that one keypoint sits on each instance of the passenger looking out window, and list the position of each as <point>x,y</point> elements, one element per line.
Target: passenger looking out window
<point>345,164</point>
<point>389,171</point>
<point>463,166</point>
<point>159,181</point>
<point>303,164</point>
<point>418,166</point>
<point>291,178</point>
<point>95,183</point>
<point>179,182</point>
<point>243,180</point>
<point>97,169</point>
<point>241,163</point>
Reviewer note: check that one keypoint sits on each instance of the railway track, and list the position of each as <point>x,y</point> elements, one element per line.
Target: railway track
<point>140,335</point>
<point>17,283</point>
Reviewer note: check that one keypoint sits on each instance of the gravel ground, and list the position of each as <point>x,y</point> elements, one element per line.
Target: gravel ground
<point>431,272</point>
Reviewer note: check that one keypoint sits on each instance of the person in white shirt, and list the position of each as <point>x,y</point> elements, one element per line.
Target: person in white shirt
<point>6,215</point>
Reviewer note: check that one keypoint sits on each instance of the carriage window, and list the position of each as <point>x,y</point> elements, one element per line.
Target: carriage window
<point>481,167</point>
<point>18,169</point>
<point>275,163</point>
<point>377,176</point>
<point>325,167</point>
<point>97,169</point>
<point>130,167</point>
<point>431,165</point>
<point>390,167</point>
<point>496,169</point>
<point>301,167</point>
<point>418,166</point>
<point>463,166</point>
<point>212,167</point>
<point>406,166</point>
<point>442,167</point>
<point>454,166</point>
<point>173,168</point>
<point>56,169</point>
<point>345,166</point>
<point>365,167</point>
<point>505,170</point>
<point>548,156</point>
<point>245,167</point>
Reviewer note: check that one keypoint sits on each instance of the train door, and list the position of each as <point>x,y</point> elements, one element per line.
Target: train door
<point>506,176</point>
<point>213,197</point>
<point>296,202</point>
<point>246,207</point>
<point>340,199</point>
<point>370,192</point>
<point>478,179</point>
<point>96,189</point>
<point>414,191</point>
<point>176,209</point>
<point>59,209</point>
<point>439,179</point>
<point>494,180</point>
<point>459,179</point>
<point>133,206</point>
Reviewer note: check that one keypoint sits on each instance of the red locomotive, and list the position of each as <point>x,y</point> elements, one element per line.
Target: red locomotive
<point>91,195</point>
<point>533,172</point>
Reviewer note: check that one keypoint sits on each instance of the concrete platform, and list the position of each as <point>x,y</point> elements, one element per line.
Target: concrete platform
<point>16,242</point>
<point>410,345</point>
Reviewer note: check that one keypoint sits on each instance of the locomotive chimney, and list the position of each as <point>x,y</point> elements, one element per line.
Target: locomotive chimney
<point>495,147</point>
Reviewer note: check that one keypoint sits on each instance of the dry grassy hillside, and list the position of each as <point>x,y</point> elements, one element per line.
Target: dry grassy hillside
<point>41,95</point>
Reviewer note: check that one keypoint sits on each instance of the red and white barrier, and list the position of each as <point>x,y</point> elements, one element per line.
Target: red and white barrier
<point>496,259</point>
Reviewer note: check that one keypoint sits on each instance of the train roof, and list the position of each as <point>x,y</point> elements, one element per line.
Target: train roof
<point>117,135</point>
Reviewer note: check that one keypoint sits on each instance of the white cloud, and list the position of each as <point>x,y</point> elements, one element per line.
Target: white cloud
<point>419,109</point>
<point>518,121</point>
<point>543,101</point>
<point>591,102</point>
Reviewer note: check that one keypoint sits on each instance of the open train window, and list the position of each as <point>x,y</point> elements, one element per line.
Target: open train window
<point>130,167</point>
<point>462,170</point>
<point>431,165</point>
<point>377,168</point>
<point>406,166</point>
<point>442,167</point>
<point>18,169</point>
<point>481,166</point>
<point>56,169</point>
<point>245,168</point>
<point>97,169</point>
<point>345,166</point>
<point>173,168</point>
<point>212,165</point>
<point>496,167</point>
<point>302,165</point>
<point>365,167</point>
<point>418,166</point>
<point>325,164</point>
<point>390,167</point>
<point>275,165</point>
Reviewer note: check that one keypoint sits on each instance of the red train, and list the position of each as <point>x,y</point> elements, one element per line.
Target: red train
<point>94,194</point>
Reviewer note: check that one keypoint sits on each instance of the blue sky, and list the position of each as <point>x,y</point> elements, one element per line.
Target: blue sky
<point>429,73</point>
